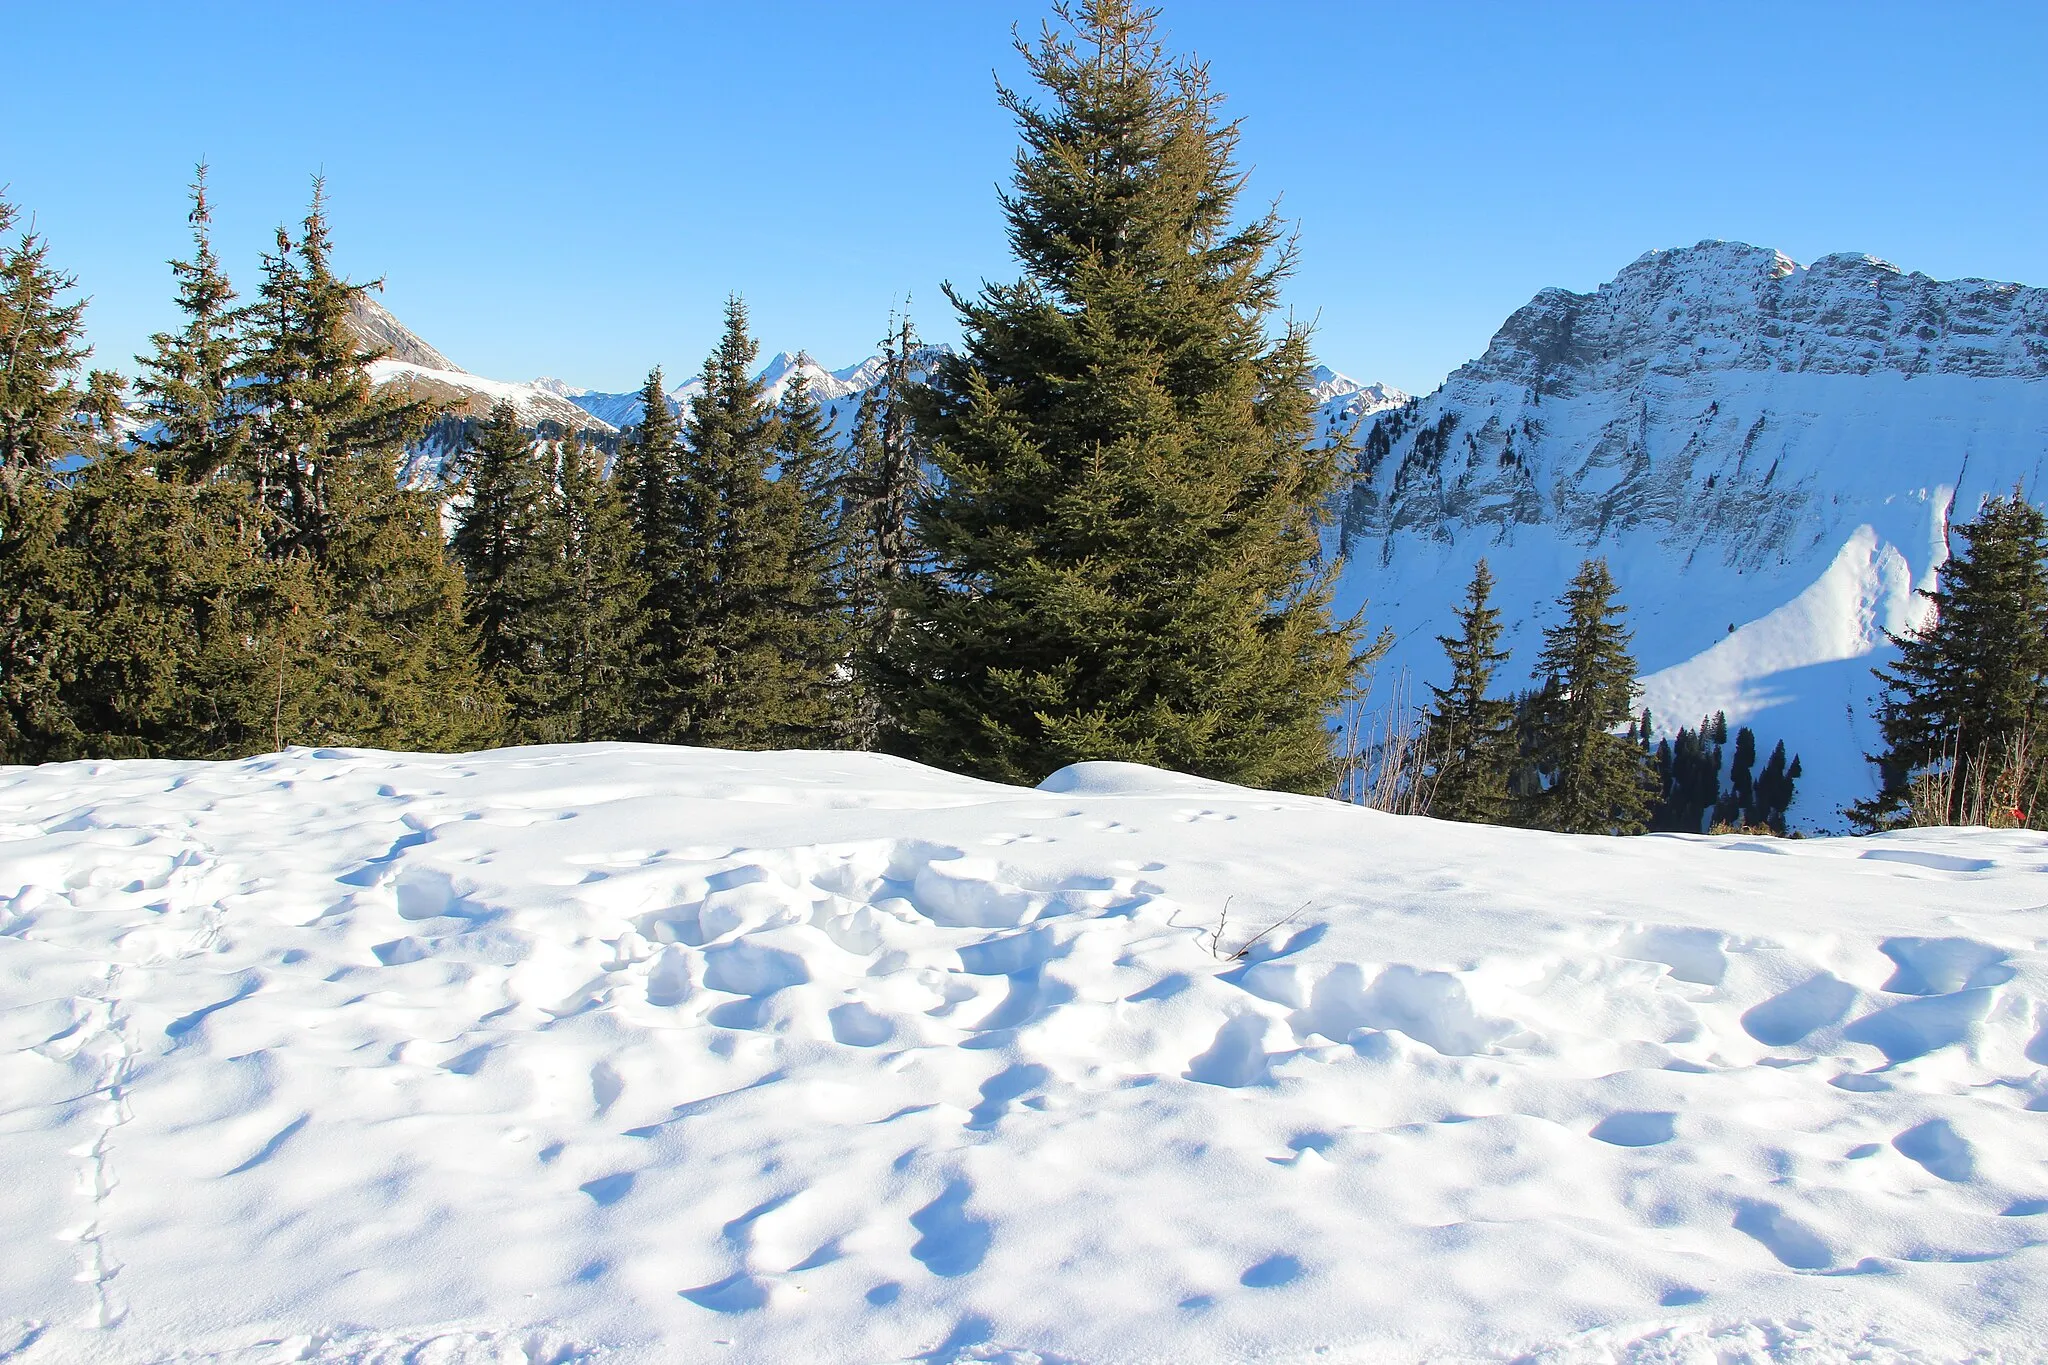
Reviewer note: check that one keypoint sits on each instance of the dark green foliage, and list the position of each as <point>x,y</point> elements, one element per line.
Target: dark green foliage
<point>880,482</point>
<point>751,647</point>
<point>1733,808</point>
<point>1124,524</point>
<point>821,631</point>
<point>1688,778</point>
<point>597,623</point>
<point>41,343</point>
<point>173,602</point>
<point>1469,737</point>
<point>650,468</point>
<point>187,382</point>
<point>508,564</point>
<point>547,551</point>
<point>1964,712</point>
<point>386,659</point>
<point>1774,790</point>
<point>1595,781</point>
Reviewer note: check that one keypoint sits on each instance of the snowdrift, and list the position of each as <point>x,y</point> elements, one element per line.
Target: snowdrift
<point>634,1054</point>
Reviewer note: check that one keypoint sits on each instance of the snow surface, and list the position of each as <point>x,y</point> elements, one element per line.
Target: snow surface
<point>636,1054</point>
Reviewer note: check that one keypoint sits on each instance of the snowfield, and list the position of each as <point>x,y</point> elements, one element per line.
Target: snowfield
<point>634,1054</point>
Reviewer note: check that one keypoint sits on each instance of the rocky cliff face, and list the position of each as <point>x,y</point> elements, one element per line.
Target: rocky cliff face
<point>1736,433</point>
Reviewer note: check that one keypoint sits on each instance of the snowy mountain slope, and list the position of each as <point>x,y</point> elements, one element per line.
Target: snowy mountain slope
<point>411,364</point>
<point>634,1054</point>
<point>1768,455</point>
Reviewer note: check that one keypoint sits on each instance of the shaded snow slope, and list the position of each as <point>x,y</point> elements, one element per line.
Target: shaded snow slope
<point>638,1054</point>
<point>1769,455</point>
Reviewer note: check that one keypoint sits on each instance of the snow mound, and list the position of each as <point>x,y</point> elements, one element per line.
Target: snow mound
<point>627,1053</point>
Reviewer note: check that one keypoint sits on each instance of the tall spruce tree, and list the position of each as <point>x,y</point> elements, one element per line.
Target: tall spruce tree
<point>1469,737</point>
<point>41,345</point>
<point>1125,524</point>
<point>597,617</point>
<point>509,564</point>
<point>1733,807</point>
<point>650,465</point>
<point>1964,711</point>
<point>1689,778</point>
<point>882,476</point>
<point>187,383</point>
<point>810,476</point>
<point>1596,781</point>
<point>757,647</point>
<point>382,655</point>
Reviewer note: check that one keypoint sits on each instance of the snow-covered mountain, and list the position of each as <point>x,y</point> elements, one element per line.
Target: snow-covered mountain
<point>411,362</point>
<point>1768,455</point>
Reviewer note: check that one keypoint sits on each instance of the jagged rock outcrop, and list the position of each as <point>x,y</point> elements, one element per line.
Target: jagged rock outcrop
<point>1737,433</point>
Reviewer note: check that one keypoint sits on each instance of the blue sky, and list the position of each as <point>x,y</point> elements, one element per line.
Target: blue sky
<point>572,190</point>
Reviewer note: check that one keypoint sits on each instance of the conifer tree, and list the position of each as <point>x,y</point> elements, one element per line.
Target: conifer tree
<point>384,657</point>
<point>187,382</point>
<point>509,563</point>
<point>1125,522</point>
<point>598,625</point>
<point>757,646</point>
<point>1469,736</point>
<point>1689,778</point>
<point>1597,782</point>
<point>1735,806</point>
<point>41,345</point>
<point>179,608</point>
<point>1964,711</point>
<point>810,475</point>
<point>650,464</point>
<point>1774,791</point>
<point>883,475</point>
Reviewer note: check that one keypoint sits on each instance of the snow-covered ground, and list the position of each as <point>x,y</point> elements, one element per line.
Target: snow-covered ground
<point>633,1054</point>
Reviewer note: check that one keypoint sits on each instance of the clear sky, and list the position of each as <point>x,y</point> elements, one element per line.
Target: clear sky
<point>572,189</point>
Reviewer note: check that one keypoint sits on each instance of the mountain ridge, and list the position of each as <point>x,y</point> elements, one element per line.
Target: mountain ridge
<point>1770,454</point>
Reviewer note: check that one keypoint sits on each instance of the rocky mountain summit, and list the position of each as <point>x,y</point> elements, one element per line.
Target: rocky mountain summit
<point>1768,453</point>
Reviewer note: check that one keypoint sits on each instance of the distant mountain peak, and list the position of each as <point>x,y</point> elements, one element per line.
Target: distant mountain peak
<point>377,330</point>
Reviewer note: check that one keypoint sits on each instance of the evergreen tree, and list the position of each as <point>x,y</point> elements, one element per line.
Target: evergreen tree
<point>1774,790</point>
<point>810,474</point>
<point>882,479</point>
<point>384,657</point>
<point>1596,780</point>
<point>179,608</point>
<point>650,464</point>
<point>187,382</point>
<point>1125,524</point>
<point>1734,808</point>
<point>598,625</point>
<point>1688,778</point>
<point>1964,711</point>
<point>41,345</point>
<point>757,644</point>
<point>1469,736</point>
<point>509,564</point>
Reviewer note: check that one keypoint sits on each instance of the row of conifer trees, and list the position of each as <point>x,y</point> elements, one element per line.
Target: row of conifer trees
<point>1103,542</point>
<point>1090,532</point>
<point>1557,756</point>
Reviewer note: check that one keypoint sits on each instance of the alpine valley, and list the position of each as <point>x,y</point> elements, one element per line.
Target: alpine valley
<point>1767,454</point>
